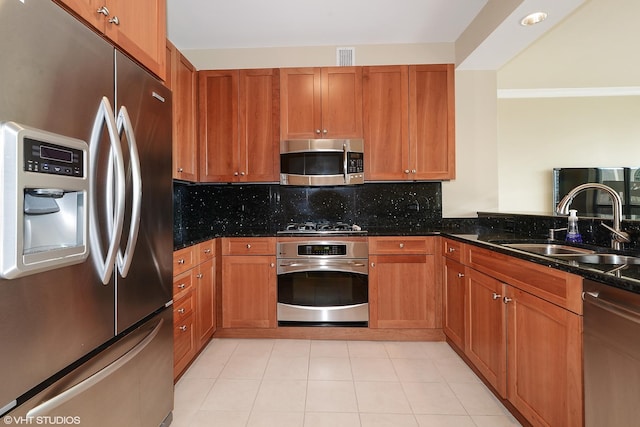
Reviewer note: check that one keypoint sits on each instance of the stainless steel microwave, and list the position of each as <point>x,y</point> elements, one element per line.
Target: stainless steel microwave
<point>318,162</point>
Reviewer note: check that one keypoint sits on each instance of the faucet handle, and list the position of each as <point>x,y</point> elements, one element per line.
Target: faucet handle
<point>618,235</point>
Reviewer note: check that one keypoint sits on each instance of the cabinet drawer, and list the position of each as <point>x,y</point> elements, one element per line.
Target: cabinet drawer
<point>183,339</point>
<point>249,246</point>
<point>182,284</point>
<point>184,259</point>
<point>453,250</point>
<point>206,251</point>
<point>183,308</point>
<point>401,245</point>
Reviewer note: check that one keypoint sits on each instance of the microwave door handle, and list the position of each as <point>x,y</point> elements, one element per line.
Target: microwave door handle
<point>344,163</point>
<point>124,125</point>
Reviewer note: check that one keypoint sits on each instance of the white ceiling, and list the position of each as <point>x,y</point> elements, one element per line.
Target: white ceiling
<point>235,24</point>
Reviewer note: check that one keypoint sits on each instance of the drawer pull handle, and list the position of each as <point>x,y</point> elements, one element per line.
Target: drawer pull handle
<point>181,261</point>
<point>207,251</point>
<point>462,275</point>
<point>200,275</point>
<point>401,245</point>
<point>182,286</point>
<point>506,300</point>
<point>496,296</point>
<point>181,310</point>
<point>183,328</point>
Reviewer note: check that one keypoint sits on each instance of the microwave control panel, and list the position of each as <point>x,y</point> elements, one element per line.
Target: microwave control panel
<point>355,162</point>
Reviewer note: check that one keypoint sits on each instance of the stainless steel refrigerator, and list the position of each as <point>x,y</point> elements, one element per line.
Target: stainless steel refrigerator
<point>86,332</point>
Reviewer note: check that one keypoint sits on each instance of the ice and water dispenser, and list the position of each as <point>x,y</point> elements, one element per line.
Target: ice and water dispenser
<point>45,190</point>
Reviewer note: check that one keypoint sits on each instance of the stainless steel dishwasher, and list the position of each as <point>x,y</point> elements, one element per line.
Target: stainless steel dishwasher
<point>611,356</point>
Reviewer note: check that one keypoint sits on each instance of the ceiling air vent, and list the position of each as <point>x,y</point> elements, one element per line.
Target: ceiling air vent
<point>346,56</point>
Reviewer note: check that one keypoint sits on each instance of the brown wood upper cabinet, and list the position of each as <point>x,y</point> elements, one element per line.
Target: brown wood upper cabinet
<point>239,127</point>
<point>182,79</point>
<point>409,122</point>
<point>138,27</point>
<point>321,102</point>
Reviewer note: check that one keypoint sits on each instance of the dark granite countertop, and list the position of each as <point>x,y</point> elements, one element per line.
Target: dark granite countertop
<point>625,277</point>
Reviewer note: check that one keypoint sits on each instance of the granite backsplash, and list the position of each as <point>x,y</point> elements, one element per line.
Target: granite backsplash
<point>203,211</point>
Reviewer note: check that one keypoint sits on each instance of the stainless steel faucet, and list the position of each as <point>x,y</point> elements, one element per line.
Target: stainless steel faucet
<point>617,235</point>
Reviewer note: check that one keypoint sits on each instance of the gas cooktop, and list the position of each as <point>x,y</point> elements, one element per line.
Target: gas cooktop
<point>322,228</point>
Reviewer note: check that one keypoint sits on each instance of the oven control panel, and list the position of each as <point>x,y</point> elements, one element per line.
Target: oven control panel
<point>322,250</point>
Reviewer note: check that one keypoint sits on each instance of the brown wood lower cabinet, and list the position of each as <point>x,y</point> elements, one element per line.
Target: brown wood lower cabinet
<point>194,305</point>
<point>403,290</point>
<point>523,332</point>
<point>248,291</point>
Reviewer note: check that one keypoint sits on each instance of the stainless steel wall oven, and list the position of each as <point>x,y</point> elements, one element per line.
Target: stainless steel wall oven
<point>323,282</point>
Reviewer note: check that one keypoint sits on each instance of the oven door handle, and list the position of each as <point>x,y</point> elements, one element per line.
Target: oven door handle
<point>354,266</point>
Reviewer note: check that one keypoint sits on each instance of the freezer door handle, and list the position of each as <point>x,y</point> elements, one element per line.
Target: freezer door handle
<point>124,125</point>
<point>51,404</point>
<point>106,262</point>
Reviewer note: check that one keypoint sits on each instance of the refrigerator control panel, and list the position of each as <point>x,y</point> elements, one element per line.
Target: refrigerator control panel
<point>54,159</point>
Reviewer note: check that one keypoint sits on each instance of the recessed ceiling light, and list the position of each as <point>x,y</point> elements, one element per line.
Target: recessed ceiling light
<point>533,18</point>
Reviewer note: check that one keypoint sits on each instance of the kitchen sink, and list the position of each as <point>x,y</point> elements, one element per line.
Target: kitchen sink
<point>549,248</point>
<point>594,258</point>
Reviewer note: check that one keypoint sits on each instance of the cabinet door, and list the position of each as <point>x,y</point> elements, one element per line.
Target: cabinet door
<point>486,328</point>
<point>432,121</point>
<point>385,101</point>
<point>139,27</point>
<point>545,360</point>
<point>218,121</point>
<point>454,301</point>
<point>87,10</point>
<point>185,152</point>
<point>248,292</point>
<point>259,134</point>
<point>205,291</point>
<point>301,103</point>
<point>402,292</point>
<point>341,102</point>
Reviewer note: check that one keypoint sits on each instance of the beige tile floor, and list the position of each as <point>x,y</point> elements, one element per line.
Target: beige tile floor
<point>309,383</point>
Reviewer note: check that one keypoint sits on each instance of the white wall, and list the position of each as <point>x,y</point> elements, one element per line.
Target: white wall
<point>591,51</point>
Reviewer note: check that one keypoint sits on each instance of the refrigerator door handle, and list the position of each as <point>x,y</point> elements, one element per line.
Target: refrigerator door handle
<point>51,404</point>
<point>124,260</point>
<point>106,262</point>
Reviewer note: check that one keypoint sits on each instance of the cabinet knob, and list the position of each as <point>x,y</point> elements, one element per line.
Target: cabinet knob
<point>373,264</point>
<point>451,249</point>
<point>242,174</point>
<point>496,296</point>
<point>114,21</point>
<point>413,171</point>
<point>181,261</point>
<point>103,11</point>
<point>248,246</point>
<point>235,174</point>
<point>183,328</point>
<point>506,300</point>
<point>181,286</point>
<point>207,251</point>
<point>462,275</point>
<point>272,265</point>
<point>318,131</point>
<point>181,310</point>
<point>325,131</point>
<point>401,245</point>
<point>200,275</point>
<point>180,170</point>
<point>406,171</point>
